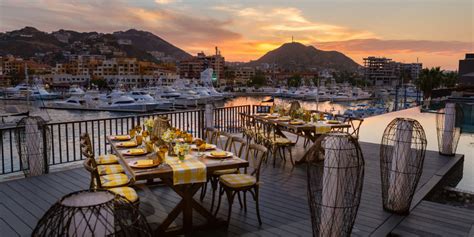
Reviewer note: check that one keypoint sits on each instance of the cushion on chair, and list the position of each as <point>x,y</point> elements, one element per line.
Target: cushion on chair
<point>282,140</point>
<point>107,159</point>
<point>227,171</point>
<point>237,180</point>
<point>114,180</point>
<point>110,169</point>
<point>126,192</point>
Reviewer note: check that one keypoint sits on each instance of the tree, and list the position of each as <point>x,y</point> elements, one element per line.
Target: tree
<point>100,83</point>
<point>258,79</point>
<point>450,79</point>
<point>429,79</point>
<point>294,81</point>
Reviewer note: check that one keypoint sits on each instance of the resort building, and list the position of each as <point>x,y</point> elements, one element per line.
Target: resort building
<point>381,71</point>
<point>192,68</point>
<point>466,70</point>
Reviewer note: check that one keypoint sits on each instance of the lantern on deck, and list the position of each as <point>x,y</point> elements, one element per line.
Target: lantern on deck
<point>33,144</point>
<point>335,178</point>
<point>448,127</point>
<point>92,213</point>
<point>402,153</point>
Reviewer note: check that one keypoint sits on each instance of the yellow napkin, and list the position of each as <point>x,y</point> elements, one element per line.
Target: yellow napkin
<point>122,137</point>
<point>131,143</point>
<point>334,121</point>
<point>219,153</point>
<point>136,151</point>
<point>296,122</point>
<point>144,162</point>
<point>321,129</point>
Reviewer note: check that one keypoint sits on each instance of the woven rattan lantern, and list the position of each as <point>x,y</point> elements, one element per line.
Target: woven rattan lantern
<point>448,127</point>
<point>335,178</point>
<point>92,213</point>
<point>402,153</point>
<point>33,144</point>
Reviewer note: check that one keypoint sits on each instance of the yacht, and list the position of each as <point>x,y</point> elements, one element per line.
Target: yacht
<point>360,94</point>
<point>24,92</point>
<point>144,97</point>
<point>342,97</point>
<point>73,102</point>
<point>75,90</point>
<point>126,103</point>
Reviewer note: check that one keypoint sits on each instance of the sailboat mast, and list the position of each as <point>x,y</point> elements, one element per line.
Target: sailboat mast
<point>27,84</point>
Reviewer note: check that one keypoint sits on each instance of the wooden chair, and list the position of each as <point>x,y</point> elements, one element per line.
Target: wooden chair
<point>97,183</point>
<point>276,143</point>
<point>233,184</point>
<point>248,126</point>
<point>103,159</point>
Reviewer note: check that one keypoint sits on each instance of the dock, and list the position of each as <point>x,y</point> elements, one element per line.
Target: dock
<point>284,204</point>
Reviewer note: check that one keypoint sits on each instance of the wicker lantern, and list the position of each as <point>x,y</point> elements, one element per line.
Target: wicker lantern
<point>33,144</point>
<point>448,126</point>
<point>92,213</point>
<point>402,153</point>
<point>335,178</point>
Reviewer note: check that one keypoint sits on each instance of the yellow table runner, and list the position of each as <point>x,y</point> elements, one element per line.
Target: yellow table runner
<point>190,170</point>
<point>321,128</point>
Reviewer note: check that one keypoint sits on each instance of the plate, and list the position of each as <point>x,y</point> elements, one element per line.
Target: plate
<point>135,164</point>
<point>284,119</point>
<point>261,114</point>
<point>134,152</point>
<point>228,155</point>
<point>296,122</point>
<point>208,147</point>
<point>121,137</point>
<point>127,144</point>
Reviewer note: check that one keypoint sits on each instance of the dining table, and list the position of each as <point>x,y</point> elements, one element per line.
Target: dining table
<point>300,127</point>
<point>187,205</point>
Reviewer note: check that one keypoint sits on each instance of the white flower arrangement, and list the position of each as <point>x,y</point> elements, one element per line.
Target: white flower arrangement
<point>168,136</point>
<point>181,149</point>
<point>149,124</point>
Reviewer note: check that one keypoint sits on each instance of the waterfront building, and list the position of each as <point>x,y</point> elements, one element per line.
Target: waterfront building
<point>381,71</point>
<point>192,67</point>
<point>384,72</point>
<point>466,70</point>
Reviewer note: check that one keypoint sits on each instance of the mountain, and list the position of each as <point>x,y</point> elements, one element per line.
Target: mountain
<point>147,41</point>
<point>28,42</point>
<point>296,56</point>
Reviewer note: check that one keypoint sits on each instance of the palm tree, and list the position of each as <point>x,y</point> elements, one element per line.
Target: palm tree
<point>450,79</point>
<point>429,79</point>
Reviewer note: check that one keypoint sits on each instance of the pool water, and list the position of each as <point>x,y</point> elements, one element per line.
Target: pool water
<point>372,130</point>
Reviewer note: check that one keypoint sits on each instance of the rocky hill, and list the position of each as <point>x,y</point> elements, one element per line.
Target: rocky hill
<point>296,56</point>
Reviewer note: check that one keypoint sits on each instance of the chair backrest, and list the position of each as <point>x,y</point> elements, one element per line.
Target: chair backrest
<point>236,145</point>
<point>220,142</point>
<point>210,135</point>
<point>295,105</point>
<point>255,155</point>
<point>90,166</point>
<point>160,126</point>
<point>355,126</point>
<point>85,140</point>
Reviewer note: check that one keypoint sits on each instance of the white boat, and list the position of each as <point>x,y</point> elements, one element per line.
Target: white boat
<point>145,98</point>
<point>73,102</point>
<point>25,92</point>
<point>126,103</point>
<point>342,97</point>
<point>75,90</point>
<point>360,94</point>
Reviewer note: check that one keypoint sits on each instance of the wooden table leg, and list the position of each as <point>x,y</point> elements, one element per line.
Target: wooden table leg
<point>186,206</point>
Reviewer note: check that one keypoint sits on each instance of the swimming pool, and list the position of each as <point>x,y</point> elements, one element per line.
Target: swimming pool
<point>373,127</point>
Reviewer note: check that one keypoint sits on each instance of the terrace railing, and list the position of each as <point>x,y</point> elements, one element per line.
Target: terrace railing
<point>65,135</point>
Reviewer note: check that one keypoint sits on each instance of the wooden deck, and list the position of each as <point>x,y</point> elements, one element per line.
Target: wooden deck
<point>284,206</point>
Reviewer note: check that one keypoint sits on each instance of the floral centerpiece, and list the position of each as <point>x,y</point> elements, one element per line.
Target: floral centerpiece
<point>298,114</point>
<point>149,125</point>
<point>181,149</point>
<point>169,137</point>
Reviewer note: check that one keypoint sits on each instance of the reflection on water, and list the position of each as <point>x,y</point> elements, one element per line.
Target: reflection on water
<point>372,131</point>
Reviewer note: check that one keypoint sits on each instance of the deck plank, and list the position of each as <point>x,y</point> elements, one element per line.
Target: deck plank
<point>283,200</point>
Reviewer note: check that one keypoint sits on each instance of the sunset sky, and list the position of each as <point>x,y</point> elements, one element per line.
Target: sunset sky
<point>438,32</point>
